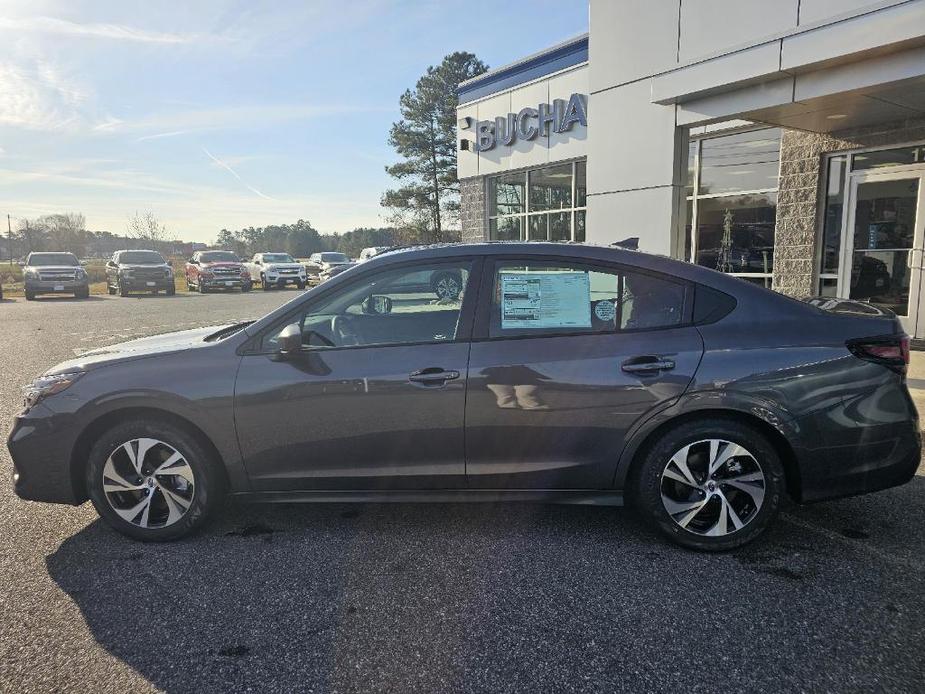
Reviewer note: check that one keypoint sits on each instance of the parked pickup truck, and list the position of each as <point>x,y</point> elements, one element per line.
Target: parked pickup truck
<point>276,270</point>
<point>54,273</point>
<point>208,270</point>
<point>133,271</point>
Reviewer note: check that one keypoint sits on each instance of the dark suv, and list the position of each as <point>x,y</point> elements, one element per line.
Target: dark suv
<point>54,273</point>
<point>564,373</point>
<point>139,271</point>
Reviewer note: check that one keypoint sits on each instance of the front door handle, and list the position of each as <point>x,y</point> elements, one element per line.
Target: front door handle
<point>650,364</point>
<point>433,376</point>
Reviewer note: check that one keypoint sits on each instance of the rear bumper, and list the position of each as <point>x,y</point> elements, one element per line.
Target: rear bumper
<point>41,449</point>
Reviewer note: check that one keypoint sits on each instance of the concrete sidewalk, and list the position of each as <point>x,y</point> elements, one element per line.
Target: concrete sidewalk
<point>916,380</point>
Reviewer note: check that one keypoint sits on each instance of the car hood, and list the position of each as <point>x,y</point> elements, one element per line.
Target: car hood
<point>142,266</point>
<point>136,349</point>
<point>284,266</point>
<point>221,264</point>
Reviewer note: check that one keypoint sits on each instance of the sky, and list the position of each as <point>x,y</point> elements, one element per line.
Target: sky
<point>229,113</point>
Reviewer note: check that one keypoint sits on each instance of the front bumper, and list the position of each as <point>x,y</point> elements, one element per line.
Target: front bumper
<point>41,445</point>
<point>145,283</point>
<point>54,287</point>
<point>282,280</point>
<point>224,282</point>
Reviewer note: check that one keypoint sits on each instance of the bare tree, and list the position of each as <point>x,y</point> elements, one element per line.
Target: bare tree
<point>145,226</point>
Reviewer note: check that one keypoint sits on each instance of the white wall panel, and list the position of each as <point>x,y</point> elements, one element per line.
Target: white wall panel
<point>648,214</point>
<point>631,40</point>
<point>709,27</point>
<point>497,159</point>
<point>467,160</point>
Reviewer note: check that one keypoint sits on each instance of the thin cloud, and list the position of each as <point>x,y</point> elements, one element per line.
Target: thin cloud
<point>234,173</point>
<point>117,32</point>
<point>158,136</point>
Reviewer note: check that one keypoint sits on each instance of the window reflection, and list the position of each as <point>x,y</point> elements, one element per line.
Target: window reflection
<point>740,162</point>
<point>736,233</point>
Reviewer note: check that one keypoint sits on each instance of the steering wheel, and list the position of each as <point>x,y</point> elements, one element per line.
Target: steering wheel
<point>343,331</point>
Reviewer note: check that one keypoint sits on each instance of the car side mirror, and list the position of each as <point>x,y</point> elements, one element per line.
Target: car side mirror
<point>377,305</point>
<point>110,263</point>
<point>290,339</point>
<point>83,263</point>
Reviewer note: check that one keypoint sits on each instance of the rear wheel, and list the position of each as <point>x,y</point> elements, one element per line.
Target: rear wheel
<point>711,485</point>
<point>153,481</point>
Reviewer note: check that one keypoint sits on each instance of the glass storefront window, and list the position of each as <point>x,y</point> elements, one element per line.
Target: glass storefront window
<point>507,194</point>
<point>901,156</point>
<point>736,233</point>
<point>832,215</point>
<point>551,188</point>
<point>732,203</point>
<point>539,205</point>
<point>740,162</point>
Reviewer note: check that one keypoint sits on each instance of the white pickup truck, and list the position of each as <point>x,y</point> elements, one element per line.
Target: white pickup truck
<point>276,270</point>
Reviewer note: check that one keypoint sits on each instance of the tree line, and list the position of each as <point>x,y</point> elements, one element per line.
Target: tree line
<point>300,240</point>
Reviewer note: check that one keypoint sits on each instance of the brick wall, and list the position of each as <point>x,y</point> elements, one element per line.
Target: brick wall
<point>802,177</point>
<point>472,209</point>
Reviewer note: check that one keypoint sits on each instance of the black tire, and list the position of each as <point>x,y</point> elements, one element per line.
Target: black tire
<point>123,290</point>
<point>202,288</point>
<point>209,485</point>
<point>246,287</point>
<point>442,284</point>
<point>30,296</point>
<point>646,482</point>
<point>171,291</point>
<point>82,293</point>
<point>263,283</point>
<point>110,289</point>
<point>300,285</point>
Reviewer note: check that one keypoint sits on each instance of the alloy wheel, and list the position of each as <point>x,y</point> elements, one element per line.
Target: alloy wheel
<point>447,288</point>
<point>712,487</point>
<point>148,483</point>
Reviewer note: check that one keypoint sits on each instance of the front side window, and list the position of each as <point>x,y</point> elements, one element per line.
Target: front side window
<point>418,304</point>
<point>553,298</point>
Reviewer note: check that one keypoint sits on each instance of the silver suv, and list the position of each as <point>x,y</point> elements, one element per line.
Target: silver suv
<point>54,273</point>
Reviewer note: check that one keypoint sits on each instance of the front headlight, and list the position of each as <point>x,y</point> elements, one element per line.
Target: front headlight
<point>44,386</point>
<point>81,273</point>
<point>168,272</point>
<point>31,272</point>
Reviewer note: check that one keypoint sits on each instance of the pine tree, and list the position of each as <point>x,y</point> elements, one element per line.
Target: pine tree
<point>426,205</point>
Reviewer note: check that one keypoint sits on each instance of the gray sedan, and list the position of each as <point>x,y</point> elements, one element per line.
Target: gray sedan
<point>561,373</point>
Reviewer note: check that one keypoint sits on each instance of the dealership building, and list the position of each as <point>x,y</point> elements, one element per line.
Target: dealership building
<point>782,142</point>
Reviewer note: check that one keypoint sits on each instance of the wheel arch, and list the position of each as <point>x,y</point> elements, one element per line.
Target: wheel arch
<point>638,446</point>
<point>84,443</point>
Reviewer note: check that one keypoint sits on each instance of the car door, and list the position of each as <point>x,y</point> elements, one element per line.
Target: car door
<point>375,397</point>
<point>567,357</point>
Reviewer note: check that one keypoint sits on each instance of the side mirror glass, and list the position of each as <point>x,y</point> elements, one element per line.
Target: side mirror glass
<point>377,305</point>
<point>290,339</point>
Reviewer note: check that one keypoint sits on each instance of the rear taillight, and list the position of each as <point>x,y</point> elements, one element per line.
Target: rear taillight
<point>892,352</point>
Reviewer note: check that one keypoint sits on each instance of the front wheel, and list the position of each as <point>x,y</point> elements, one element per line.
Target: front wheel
<point>123,290</point>
<point>263,283</point>
<point>247,286</point>
<point>153,481</point>
<point>170,291</point>
<point>711,484</point>
<point>300,285</point>
<point>82,293</point>
<point>30,295</point>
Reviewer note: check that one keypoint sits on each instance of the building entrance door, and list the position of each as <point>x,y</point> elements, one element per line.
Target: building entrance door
<point>883,243</point>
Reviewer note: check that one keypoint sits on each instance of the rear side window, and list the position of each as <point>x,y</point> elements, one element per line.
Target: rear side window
<point>555,298</point>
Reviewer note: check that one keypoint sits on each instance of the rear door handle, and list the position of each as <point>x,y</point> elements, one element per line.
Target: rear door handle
<point>650,364</point>
<point>433,376</point>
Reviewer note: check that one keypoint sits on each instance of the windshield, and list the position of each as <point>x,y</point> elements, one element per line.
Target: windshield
<point>52,259</point>
<point>218,257</point>
<point>277,258</point>
<point>142,258</point>
<point>333,258</point>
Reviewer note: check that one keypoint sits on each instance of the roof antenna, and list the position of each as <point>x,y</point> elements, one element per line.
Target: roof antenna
<point>632,243</point>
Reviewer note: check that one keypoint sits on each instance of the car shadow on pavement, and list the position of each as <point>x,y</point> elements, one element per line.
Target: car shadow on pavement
<point>65,299</point>
<point>461,597</point>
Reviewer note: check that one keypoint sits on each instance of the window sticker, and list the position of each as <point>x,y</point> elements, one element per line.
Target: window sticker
<point>605,311</point>
<point>545,300</point>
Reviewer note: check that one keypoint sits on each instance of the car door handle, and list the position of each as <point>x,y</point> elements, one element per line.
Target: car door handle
<point>433,376</point>
<point>647,365</point>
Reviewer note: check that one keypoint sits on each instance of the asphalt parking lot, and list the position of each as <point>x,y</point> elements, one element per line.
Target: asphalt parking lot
<point>433,598</point>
